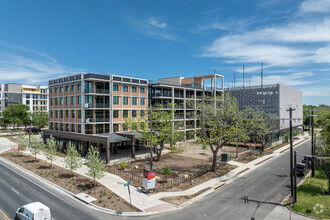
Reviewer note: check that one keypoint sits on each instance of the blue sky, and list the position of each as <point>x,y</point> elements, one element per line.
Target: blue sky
<point>41,39</point>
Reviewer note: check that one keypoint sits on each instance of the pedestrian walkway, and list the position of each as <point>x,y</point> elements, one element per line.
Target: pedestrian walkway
<point>241,169</point>
<point>281,212</point>
<point>116,184</point>
<point>6,144</point>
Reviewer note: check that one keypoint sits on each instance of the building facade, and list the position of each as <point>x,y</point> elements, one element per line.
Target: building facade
<point>95,104</point>
<point>36,97</point>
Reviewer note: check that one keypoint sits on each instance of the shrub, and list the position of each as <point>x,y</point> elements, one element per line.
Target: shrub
<point>123,165</point>
<point>173,148</point>
<point>109,197</point>
<point>166,171</point>
<point>100,201</point>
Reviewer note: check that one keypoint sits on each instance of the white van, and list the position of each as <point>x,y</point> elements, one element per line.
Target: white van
<point>33,211</point>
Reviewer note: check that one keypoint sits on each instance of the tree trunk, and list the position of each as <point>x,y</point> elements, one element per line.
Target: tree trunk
<point>214,162</point>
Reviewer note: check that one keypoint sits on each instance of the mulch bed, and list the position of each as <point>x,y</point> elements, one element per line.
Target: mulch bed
<point>180,166</point>
<point>72,182</point>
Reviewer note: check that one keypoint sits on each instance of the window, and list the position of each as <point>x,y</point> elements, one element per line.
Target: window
<point>125,127</point>
<point>27,96</point>
<point>125,100</point>
<point>73,100</point>
<point>88,87</point>
<point>51,114</point>
<point>141,114</point>
<point>56,90</point>
<point>67,88</point>
<point>67,113</point>
<point>66,127</point>
<point>79,100</point>
<point>115,87</point>
<point>115,127</point>
<point>56,101</point>
<point>73,115</point>
<point>125,88</point>
<point>89,100</point>
<point>56,114</point>
<point>133,113</point>
<point>115,114</point>
<point>73,128</point>
<point>62,89</point>
<point>28,102</point>
<point>67,100</point>
<point>125,113</point>
<point>79,128</point>
<point>79,114</point>
<point>52,90</point>
<point>61,113</point>
<point>73,88</point>
<point>79,86</point>
<point>62,101</point>
<point>141,101</point>
<point>141,89</point>
<point>116,100</point>
<point>133,88</point>
<point>133,100</point>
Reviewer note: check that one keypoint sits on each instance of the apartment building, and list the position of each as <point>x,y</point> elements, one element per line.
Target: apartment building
<point>180,90</point>
<point>95,104</point>
<point>36,97</point>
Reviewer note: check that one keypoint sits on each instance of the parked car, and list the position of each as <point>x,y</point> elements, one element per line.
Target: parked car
<point>33,129</point>
<point>301,169</point>
<point>33,211</point>
<point>307,160</point>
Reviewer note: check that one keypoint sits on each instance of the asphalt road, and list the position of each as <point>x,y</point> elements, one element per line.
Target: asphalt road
<point>265,188</point>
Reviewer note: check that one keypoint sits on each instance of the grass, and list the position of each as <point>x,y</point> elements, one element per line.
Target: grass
<point>310,193</point>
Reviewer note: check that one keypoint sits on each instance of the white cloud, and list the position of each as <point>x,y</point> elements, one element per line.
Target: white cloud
<point>322,55</point>
<point>27,66</point>
<point>315,6</point>
<point>154,22</point>
<point>316,91</point>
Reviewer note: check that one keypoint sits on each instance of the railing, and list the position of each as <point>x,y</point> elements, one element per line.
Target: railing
<point>102,119</point>
<point>102,91</point>
<point>102,105</point>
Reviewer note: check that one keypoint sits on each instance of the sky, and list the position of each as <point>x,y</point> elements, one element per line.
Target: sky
<point>41,40</point>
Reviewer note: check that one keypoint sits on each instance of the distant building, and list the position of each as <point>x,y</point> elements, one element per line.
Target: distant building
<point>36,97</point>
<point>274,100</point>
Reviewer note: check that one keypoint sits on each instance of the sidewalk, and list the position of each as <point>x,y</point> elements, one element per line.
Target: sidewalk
<point>281,212</point>
<point>152,203</point>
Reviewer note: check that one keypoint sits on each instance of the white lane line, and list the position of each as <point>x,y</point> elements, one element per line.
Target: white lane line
<point>14,190</point>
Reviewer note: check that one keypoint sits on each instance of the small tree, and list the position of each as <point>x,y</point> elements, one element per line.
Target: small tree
<point>96,167</point>
<point>35,146</point>
<point>50,150</point>
<point>40,119</point>
<point>72,158</point>
<point>166,171</point>
<point>23,142</point>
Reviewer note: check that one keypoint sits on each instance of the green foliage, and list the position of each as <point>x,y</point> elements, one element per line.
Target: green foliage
<point>35,146</point>
<point>167,171</point>
<point>50,149</point>
<point>204,146</point>
<point>96,167</point>
<point>40,119</point>
<point>23,142</point>
<point>286,137</point>
<point>123,165</point>
<point>72,158</point>
<point>173,148</point>
<point>16,114</point>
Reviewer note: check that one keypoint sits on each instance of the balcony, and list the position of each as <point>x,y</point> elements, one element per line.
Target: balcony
<point>99,91</point>
<point>102,105</point>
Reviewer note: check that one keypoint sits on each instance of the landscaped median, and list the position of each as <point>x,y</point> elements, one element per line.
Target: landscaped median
<point>70,181</point>
<point>310,198</point>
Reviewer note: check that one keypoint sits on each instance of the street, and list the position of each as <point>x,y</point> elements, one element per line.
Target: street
<point>265,187</point>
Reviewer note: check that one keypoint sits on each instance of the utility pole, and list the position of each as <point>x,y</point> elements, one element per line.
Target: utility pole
<point>295,177</point>
<point>150,114</point>
<point>262,77</point>
<point>309,127</point>
<point>243,77</point>
<point>234,80</point>
<point>291,151</point>
<point>313,163</point>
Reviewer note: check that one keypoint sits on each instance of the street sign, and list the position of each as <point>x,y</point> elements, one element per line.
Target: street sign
<point>129,192</point>
<point>127,184</point>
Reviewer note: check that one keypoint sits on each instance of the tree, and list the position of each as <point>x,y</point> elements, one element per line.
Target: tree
<point>35,146</point>
<point>72,158</point>
<point>96,167</point>
<point>23,142</point>
<point>16,115</point>
<point>163,130</point>
<point>220,124</point>
<point>40,119</point>
<point>50,149</point>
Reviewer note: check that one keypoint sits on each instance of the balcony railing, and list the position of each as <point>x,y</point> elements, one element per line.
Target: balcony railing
<point>102,105</point>
<point>102,91</point>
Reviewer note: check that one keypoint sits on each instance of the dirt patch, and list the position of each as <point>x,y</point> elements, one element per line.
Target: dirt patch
<point>178,200</point>
<point>72,182</point>
<point>187,172</point>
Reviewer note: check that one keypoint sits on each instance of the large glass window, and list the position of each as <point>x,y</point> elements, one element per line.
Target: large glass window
<point>79,114</point>
<point>79,86</point>
<point>56,101</point>
<point>67,114</point>
<point>125,113</point>
<point>67,100</point>
<point>115,87</point>
<point>133,113</point>
<point>73,114</point>
<point>73,100</point>
<point>62,101</point>
<point>62,89</point>
<point>141,89</point>
<point>125,100</point>
<point>27,96</point>
<point>133,88</point>
<point>116,100</point>
<point>73,87</point>
<point>67,88</point>
<point>115,114</point>
<point>115,127</point>
<point>141,101</point>
<point>133,100</point>
<point>88,87</point>
<point>125,88</point>
<point>79,99</point>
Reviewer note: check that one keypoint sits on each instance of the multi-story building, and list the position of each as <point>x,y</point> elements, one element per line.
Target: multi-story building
<point>95,104</point>
<point>180,90</point>
<point>274,100</point>
<point>36,97</point>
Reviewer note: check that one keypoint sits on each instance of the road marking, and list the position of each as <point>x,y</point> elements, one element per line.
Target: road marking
<point>4,215</point>
<point>14,190</point>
